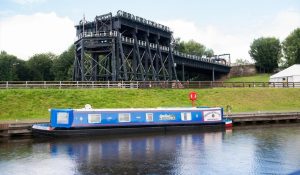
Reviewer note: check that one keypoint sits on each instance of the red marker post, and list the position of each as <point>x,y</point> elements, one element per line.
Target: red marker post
<point>193,97</point>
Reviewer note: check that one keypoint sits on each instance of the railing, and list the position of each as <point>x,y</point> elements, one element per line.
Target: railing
<point>142,84</point>
<point>198,58</point>
<point>142,20</point>
<point>67,84</point>
<point>141,43</point>
<point>110,33</point>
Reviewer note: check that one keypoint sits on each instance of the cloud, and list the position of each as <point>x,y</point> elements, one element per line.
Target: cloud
<point>23,2</point>
<point>25,35</point>
<point>282,25</point>
<point>237,44</point>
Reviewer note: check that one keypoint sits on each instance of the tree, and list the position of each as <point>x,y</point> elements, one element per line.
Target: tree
<point>12,68</point>
<point>291,48</point>
<point>208,53</point>
<point>266,52</point>
<point>8,67</point>
<point>193,47</point>
<point>63,66</point>
<point>40,66</point>
<point>23,71</point>
<point>241,62</point>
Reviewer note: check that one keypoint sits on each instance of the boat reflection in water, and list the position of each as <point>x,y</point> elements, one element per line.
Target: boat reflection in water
<point>170,153</point>
<point>271,150</point>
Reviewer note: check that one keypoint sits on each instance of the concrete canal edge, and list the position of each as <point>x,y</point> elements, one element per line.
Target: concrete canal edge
<point>11,129</point>
<point>265,117</point>
<point>18,128</point>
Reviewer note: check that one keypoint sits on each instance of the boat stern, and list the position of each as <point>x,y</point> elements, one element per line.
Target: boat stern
<point>227,123</point>
<point>42,127</point>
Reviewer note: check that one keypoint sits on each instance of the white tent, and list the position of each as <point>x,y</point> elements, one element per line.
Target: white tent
<point>288,75</point>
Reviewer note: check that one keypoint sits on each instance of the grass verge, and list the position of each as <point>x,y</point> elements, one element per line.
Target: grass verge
<point>254,78</point>
<point>31,104</point>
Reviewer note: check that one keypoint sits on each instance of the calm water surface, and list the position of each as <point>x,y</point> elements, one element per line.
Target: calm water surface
<point>256,150</point>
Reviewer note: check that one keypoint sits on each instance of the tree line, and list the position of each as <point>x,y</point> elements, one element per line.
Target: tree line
<point>269,53</point>
<point>39,67</point>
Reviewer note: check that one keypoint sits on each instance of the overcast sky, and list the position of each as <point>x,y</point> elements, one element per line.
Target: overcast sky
<point>226,26</point>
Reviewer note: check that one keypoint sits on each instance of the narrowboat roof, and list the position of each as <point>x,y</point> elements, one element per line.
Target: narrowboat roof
<point>149,109</point>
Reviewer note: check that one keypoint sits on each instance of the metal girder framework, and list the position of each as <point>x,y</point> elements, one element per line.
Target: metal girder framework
<point>113,59</point>
<point>103,22</point>
<point>91,64</point>
<point>150,70</point>
<point>127,47</point>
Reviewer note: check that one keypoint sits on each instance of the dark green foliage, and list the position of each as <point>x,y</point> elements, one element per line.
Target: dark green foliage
<point>23,71</point>
<point>193,47</point>
<point>266,52</point>
<point>11,68</point>
<point>40,66</point>
<point>291,48</point>
<point>62,67</point>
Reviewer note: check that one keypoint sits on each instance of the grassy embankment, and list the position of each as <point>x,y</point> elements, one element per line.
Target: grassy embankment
<point>254,78</point>
<point>32,104</point>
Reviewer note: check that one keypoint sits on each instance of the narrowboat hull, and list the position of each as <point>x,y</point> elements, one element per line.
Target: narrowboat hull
<point>104,131</point>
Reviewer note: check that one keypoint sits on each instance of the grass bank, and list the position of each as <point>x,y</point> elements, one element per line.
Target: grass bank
<point>30,104</point>
<point>254,78</point>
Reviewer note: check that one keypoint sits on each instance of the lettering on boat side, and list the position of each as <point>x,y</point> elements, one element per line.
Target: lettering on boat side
<point>167,117</point>
<point>212,115</point>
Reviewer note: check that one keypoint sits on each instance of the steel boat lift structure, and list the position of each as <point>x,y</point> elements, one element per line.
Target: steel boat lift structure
<point>126,47</point>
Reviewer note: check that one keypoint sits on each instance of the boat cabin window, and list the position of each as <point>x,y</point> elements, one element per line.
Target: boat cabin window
<point>149,117</point>
<point>62,118</point>
<point>124,117</point>
<point>186,116</point>
<point>94,118</point>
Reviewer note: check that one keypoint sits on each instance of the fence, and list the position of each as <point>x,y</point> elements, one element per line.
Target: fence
<point>142,84</point>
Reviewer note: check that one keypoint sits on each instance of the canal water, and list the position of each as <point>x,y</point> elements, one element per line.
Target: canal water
<point>270,149</point>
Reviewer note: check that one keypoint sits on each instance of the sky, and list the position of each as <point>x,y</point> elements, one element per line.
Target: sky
<point>28,27</point>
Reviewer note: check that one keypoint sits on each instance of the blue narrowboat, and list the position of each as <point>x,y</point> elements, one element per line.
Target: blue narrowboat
<point>96,121</point>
